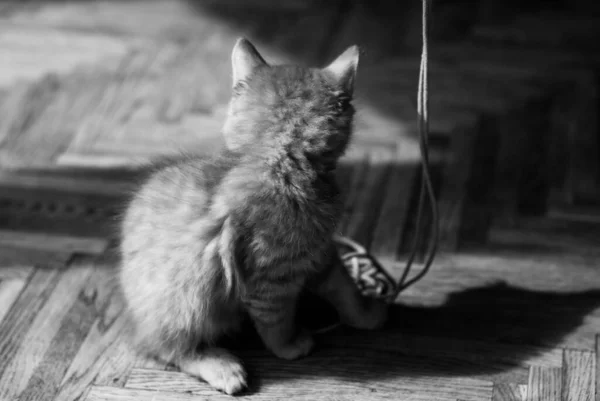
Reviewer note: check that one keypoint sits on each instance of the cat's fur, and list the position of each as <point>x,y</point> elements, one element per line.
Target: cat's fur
<point>207,241</point>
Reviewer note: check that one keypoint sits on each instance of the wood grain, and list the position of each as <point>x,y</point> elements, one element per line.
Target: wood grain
<point>36,342</point>
<point>545,384</point>
<point>104,356</point>
<point>389,228</point>
<point>46,379</point>
<point>360,168</point>
<point>15,271</point>
<point>52,242</point>
<point>510,164</point>
<point>554,235</point>
<point>98,393</point>
<point>509,392</point>
<point>456,174</point>
<point>493,355</point>
<point>576,139</point>
<point>597,371</point>
<point>15,259</point>
<point>18,320</point>
<point>277,385</point>
<point>369,198</point>
<point>68,213</point>
<point>9,291</point>
<point>63,181</point>
<point>578,376</point>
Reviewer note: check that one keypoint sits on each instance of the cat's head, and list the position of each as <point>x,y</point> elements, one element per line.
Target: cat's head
<point>291,109</point>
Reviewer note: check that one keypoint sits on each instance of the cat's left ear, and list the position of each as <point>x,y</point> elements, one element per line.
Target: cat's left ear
<point>244,59</point>
<point>343,69</point>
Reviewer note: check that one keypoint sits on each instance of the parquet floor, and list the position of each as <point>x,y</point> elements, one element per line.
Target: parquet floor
<point>511,308</point>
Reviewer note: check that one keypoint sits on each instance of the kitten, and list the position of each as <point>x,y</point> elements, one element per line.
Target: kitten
<point>209,241</point>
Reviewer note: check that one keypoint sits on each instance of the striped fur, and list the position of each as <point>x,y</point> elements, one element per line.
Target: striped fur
<point>209,241</point>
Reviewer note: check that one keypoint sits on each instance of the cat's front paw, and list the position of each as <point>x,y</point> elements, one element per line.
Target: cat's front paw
<point>299,347</point>
<point>372,316</point>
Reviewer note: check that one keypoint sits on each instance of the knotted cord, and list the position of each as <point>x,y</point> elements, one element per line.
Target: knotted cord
<point>371,278</point>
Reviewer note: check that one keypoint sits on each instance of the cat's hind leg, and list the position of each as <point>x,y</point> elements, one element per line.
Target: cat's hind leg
<point>216,366</point>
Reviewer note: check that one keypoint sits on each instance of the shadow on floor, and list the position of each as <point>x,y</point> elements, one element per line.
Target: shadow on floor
<point>506,323</point>
<point>490,315</point>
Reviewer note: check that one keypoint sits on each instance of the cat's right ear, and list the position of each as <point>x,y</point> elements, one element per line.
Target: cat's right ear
<point>343,69</point>
<point>244,59</point>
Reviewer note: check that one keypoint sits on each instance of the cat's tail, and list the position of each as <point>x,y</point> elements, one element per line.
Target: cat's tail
<point>221,250</point>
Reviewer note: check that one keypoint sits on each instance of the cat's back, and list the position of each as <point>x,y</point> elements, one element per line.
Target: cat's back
<point>175,192</point>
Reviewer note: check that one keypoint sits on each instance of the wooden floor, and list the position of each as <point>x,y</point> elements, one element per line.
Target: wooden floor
<point>511,309</point>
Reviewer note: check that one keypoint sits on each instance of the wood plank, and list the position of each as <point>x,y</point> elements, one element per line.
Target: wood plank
<point>468,296</point>
<point>478,91</point>
<point>14,259</point>
<point>545,61</point>
<point>98,160</point>
<point>509,392</point>
<point>15,271</point>
<point>579,374</point>
<point>369,198</point>
<point>477,202</point>
<point>41,130</point>
<point>574,213</point>
<point>574,143</point>
<point>52,242</point>
<point>70,214</point>
<point>99,393</point>
<point>454,186</point>
<point>277,384</point>
<point>9,292</point>
<point>545,384</point>
<point>157,103</point>
<point>61,53</point>
<point>391,222</point>
<point>45,381</point>
<point>345,171</point>
<point>373,128</point>
<point>564,274</point>
<point>18,320</point>
<point>143,362</point>
<point>104,357</point>
<point>554,235</point>
<point>34,343</point>
<point>500,363</point>
<point>518,148</point>
<point>597,372</point>
<point>314,21</point>
<point>544,29</point>
<point>360,167</point>
<point>155,19</point>
<point>65,182</point>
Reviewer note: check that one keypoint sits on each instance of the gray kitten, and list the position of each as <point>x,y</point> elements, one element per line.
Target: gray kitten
<point>209,241</point>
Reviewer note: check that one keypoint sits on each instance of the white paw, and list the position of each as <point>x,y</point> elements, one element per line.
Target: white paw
<point>228,376</point>
<point>220,370</point>
<point>301,346</point>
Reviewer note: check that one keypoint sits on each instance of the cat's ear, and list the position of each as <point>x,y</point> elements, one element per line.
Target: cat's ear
<point>343,69</point>
<point>244,59</point>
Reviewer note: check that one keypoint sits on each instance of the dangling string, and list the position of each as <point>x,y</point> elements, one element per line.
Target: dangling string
<point>426,184</point>
<point>371,271</point>
<point>371,278</point>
